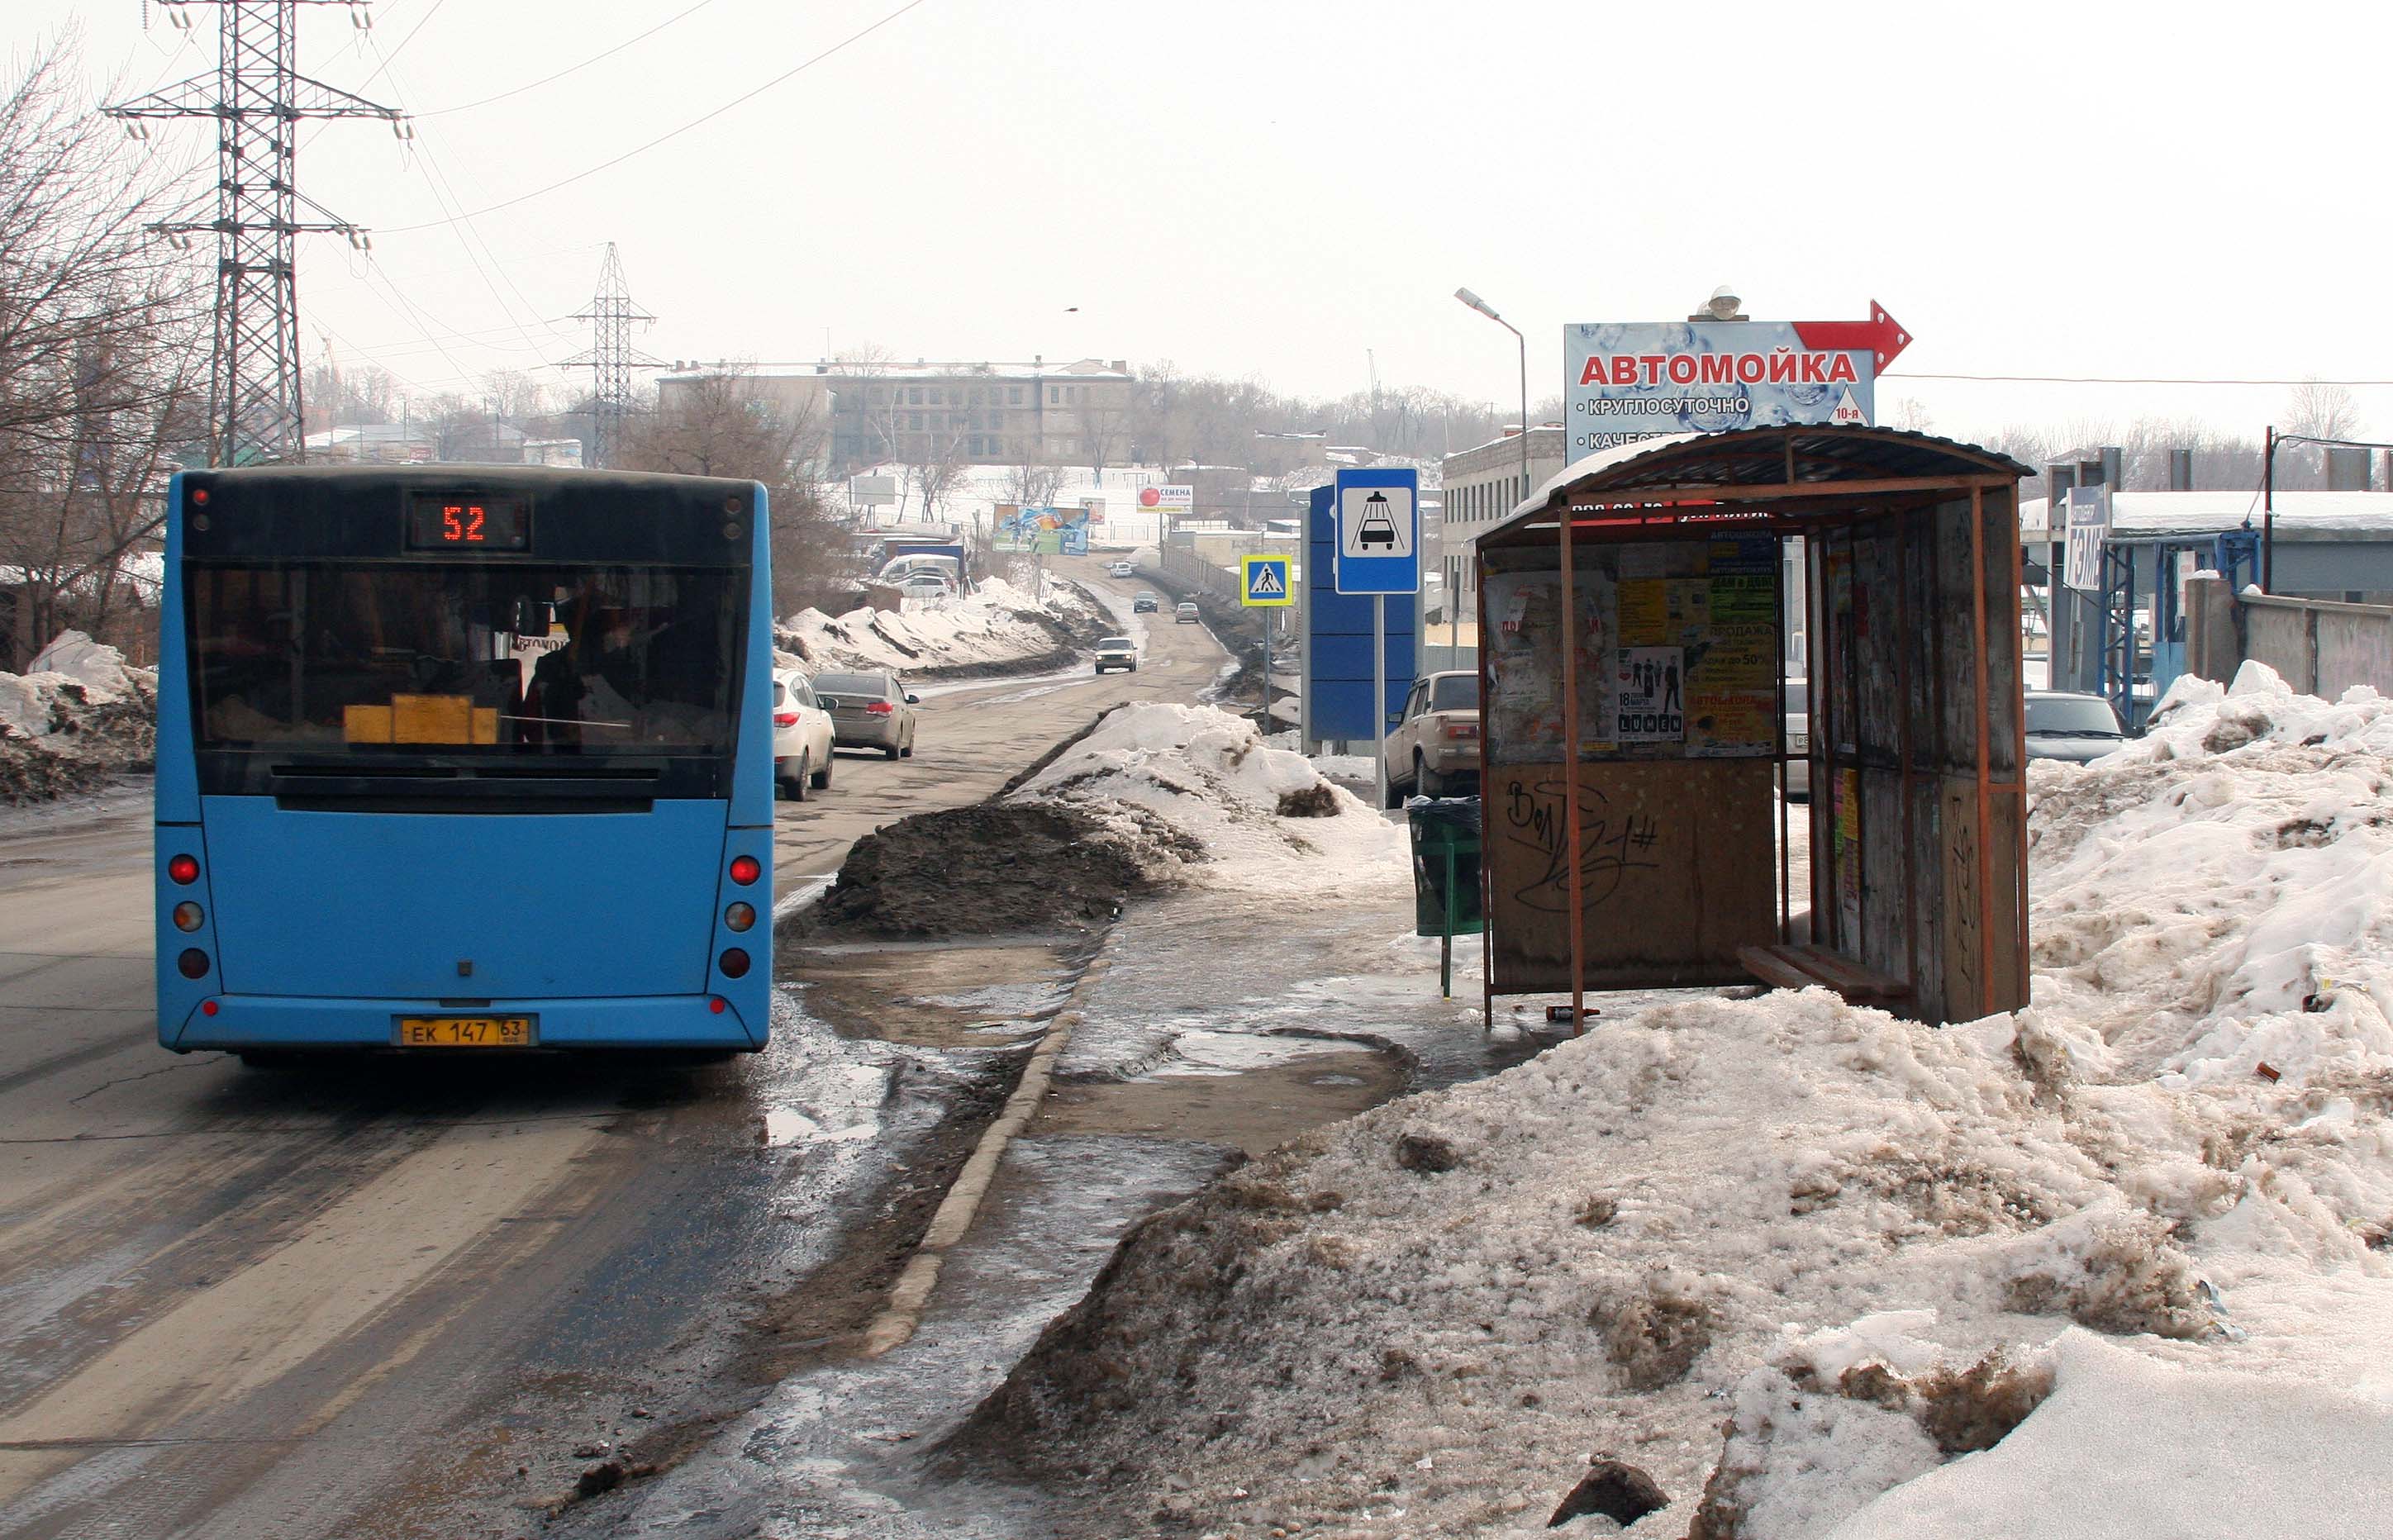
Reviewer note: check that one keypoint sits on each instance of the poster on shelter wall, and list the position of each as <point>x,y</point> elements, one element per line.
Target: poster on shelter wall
<point>1524,703</point>
<point>1650,690</point>
<point>1678,652</point>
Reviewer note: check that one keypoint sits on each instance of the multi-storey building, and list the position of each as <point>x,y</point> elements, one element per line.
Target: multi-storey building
<point>984,413</point>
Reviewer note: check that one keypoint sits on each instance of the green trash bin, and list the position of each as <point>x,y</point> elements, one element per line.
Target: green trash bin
<point>1445,874</point>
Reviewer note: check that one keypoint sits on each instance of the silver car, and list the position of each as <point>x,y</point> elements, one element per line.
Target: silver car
<point>1797,778</point>
<point>868,711</point>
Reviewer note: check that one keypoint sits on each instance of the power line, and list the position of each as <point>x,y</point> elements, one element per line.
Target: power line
<point>2118,379</point>
<point>842,44</point>
<point>534,85</point>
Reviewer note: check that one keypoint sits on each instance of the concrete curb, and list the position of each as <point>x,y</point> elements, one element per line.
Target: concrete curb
<point>911,1294</point>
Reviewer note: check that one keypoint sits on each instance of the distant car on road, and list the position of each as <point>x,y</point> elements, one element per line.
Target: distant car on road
<point>868,711</point>
<point>1797,779</point>
<point>1434,749</point>
<point>1145,604</point>
<point>1117,652</point>
<point>926,585</point>
<point>1122,569</point>
<point>1185,614</point>
<point>2062,726</point>
<point>802,736</point>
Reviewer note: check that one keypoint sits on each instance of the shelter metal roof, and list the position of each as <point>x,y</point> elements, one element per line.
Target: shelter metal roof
<point>1758,457</point>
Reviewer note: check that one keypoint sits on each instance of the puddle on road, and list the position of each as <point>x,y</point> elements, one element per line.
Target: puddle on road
<point>1251,1090</point>
<point>785,1126</point>
<point>1236,1052</point>
<point>933,994</point>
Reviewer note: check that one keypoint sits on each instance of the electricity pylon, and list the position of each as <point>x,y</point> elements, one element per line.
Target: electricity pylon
<point>259,98</point>
<point>610,357</point>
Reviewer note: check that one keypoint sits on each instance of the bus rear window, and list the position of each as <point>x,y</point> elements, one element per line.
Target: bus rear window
<point>403,660</point>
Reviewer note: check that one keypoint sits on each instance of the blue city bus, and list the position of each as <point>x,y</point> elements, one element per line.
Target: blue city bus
<point>463,758</point>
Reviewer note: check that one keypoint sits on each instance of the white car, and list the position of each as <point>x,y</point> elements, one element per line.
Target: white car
<point>802,735</point>
<point>926,585</point>
<point>1117,652</point>
<point>1122,569</point>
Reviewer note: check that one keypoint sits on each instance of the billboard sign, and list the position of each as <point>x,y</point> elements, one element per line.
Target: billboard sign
<point>1625,381</point>
<point>1378,530</point>
<point>2090,532</point>
<point>1174,502</point>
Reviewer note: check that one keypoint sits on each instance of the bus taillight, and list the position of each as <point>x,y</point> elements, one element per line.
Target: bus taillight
<point>184,869</point>
<point>188,916</point>
<point>734,963</point>
<point>745,871</point>
<point>193,963</point>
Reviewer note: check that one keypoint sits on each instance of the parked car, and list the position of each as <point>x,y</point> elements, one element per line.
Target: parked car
<point>1433,752</point>
<point>1122,569</point>
<point>1117,652</point>
<point>1144,604</point>
<point>802,736</point>
<point>1798,778</point>
<point>926,585</point>
<point>868,711</point>
<point>1185,614</point>
<point>2062,726</point>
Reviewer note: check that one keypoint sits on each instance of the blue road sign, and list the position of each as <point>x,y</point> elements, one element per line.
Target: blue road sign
<point>1337,667</point>
<point>1378,530</point>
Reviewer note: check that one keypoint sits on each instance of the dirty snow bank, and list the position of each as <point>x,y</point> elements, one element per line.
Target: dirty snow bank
<point>1264,818</point>
<point>1000,629</point>
<point>77,717</point>
<point>2219,895</point>
<point>1151,796</point>
<point>1799,1270</point>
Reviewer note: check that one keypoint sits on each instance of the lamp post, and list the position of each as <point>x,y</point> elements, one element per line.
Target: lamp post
<point>1453,611</point>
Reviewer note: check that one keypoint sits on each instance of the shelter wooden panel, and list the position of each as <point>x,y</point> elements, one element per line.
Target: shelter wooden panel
<point>1669,893</point>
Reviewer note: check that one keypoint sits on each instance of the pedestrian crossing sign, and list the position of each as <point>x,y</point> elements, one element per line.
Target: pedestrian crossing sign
<point>1263,582</point>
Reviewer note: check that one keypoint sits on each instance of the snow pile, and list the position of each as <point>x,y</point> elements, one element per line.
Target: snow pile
<point>1264,818</point>
<point>2219,895</point>
<point>1787,1269</point>
<point>1000,627</point>
<point>77,718</point>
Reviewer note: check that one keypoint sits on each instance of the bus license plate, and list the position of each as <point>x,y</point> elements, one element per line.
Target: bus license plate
<point>465,1031</point>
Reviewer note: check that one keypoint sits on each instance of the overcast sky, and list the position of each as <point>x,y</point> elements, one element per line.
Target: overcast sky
<point>1285,189</point>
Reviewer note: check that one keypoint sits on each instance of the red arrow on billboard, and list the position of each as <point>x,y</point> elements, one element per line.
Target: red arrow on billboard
<point>1879,335</point>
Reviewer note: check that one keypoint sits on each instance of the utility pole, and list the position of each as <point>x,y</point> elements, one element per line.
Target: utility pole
<point>259,98</point>
<point>610,357</point>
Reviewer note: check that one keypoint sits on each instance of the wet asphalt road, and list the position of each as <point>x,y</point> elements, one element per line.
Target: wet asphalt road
<point>410,1300</point>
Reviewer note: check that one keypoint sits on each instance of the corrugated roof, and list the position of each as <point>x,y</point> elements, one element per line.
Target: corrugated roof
<point>1757,457</point>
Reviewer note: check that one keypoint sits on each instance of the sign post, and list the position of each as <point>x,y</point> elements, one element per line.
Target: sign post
<point>1264,584</point>
<point>1377,552</point>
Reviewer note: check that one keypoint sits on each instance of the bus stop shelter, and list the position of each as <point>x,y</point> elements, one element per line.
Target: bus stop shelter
<point>1634,608</point>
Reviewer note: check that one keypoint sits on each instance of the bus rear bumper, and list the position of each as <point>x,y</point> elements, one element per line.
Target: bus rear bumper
<point>287,1021</point>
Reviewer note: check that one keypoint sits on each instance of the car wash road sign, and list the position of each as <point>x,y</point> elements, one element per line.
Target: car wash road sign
<point>1263,582</point>
<point>1627,381</point>
<point>1378,530</point>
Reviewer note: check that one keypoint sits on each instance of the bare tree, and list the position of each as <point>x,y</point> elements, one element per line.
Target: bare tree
<point>935,462</point>
<point>513,395</point>
<point>1033,483</point>
<point>722,425</point>
<point>102,345</point>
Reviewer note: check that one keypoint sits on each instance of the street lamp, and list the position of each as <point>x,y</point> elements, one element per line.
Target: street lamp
<point>1454,620</point>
